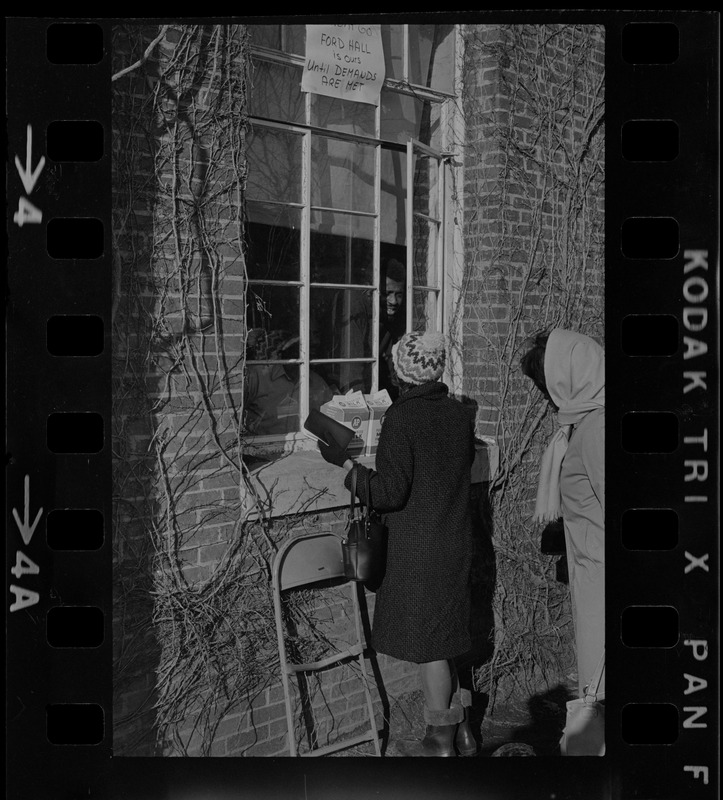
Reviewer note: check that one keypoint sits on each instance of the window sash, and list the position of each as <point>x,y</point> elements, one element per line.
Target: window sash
<point>438,256</point>
<point>435,260</point>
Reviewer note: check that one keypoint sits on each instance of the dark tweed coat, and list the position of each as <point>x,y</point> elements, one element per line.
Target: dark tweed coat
<point>422,486</point>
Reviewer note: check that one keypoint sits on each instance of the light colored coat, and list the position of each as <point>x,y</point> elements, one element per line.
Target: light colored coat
<point>572,482</point>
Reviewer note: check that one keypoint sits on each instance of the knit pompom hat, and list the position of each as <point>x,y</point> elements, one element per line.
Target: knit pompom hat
<point>419,357</point>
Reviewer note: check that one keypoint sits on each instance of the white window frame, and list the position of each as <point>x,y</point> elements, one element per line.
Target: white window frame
<point>448,261</point>
<point>438,285</point>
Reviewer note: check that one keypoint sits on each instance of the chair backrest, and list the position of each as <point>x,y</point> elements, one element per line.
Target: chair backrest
<point>307,559</point>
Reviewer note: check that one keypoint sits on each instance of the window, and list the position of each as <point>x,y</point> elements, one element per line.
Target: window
<point>346,206</point>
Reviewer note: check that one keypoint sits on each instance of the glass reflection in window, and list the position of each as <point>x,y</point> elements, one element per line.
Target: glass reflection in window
<point>333,113</point>
<point>271,388</point>
<point>274,158</point>
<point>405,117</point>
<point>431,56</point>
<point>273,233</point>
<point>393,44</point>
<point>287,38</point>
<point>272,314</point>
<point>424,311</point>
<point>393,196</point>
<point>425,268</point>
<point>343,174</point>
<point>277,92</point>
<point>341,248</point>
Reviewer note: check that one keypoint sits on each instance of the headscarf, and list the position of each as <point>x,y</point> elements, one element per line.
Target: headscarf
<point>575,378</point>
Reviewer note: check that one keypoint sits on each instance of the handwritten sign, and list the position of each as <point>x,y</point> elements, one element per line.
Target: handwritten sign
<point>345,61</point>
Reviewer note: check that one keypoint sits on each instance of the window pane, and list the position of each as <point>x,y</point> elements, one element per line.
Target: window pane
<point>274,166</point>
<point>405,117</point>
<point>341,322</point>
<point>392,41</point>
<point>394,197</point>
<point>336,114</point>
<point>424,311</point>
<point>431,56</point>
<point>271,402</point>
<point>266,36</point>
<point>272,319</point>
<point>425,268</point>
<point>426,185</point>
<point>342,174</point>
<point>276,92</point>
<point>272,399</point>
<point>293,41</point>
<point>274,241</point>
<point>342,248</point>
<point>432,133</point>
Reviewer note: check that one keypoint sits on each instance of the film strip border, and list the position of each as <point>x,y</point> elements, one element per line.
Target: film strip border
<point>662,401</point>
<point>662,322</point>
<point>58,423</point>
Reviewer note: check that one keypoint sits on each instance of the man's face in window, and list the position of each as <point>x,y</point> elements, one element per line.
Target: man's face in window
<point>394,297</point>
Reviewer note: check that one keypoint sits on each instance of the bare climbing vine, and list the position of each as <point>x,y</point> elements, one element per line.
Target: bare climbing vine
<point>540,219</point>
<point>190,530</point>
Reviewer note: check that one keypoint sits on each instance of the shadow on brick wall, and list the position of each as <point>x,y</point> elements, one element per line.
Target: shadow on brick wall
<point>136,653</point>
<point>483,578</point>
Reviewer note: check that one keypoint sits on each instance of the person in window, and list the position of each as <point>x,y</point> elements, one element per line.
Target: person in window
<point>352,329</point>
<point>271,392</point>
<point>422,486</point>
<point>569,369</point>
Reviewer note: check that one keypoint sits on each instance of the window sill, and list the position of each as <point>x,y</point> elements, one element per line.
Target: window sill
<point>302,482</point>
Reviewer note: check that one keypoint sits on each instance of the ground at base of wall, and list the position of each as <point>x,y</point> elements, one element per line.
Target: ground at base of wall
<point>517,728</point>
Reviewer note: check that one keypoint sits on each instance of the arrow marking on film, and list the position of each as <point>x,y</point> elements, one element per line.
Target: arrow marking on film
<point>26,529</point>
<point>27,176</point>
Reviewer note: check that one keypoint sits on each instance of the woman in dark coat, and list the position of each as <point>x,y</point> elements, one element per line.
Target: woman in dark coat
<point>422,486</point>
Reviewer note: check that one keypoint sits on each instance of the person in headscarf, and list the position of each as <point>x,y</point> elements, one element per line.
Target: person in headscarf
<point>569,369</point>
<point>422,486</point>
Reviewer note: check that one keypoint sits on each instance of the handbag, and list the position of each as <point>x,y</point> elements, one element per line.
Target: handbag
<point>552,539</point>
<point>584,733</point>
<point>364,548</point>
<point>552,543</point>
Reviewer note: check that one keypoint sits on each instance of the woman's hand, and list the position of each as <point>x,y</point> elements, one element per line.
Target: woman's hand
<point>333,454</point>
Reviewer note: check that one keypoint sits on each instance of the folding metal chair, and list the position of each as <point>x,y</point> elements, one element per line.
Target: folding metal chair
<point>303,561</point>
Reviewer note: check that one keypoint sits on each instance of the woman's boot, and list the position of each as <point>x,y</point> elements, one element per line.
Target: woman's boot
<point>464,739</point>
<point>439,737</point>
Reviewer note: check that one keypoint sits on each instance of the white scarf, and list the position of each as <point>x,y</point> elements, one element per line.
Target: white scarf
<point>575,378</point>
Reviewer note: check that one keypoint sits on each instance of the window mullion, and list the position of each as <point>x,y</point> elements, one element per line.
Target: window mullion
<point>410,224</point>
<point>405,54</point>
<point>440,266</point>
<point>380,290</point>
<point>305,268</point>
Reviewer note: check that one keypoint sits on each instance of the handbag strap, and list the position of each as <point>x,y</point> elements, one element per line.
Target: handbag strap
<point>353,492</point>
<point>368,494</point>
<point>591,691</point>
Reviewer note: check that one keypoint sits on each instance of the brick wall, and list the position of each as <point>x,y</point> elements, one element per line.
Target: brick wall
<point>178,311</point>
<point>178,336</point>
<point>533,197</point>
<point>533,150</point>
